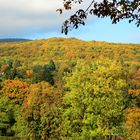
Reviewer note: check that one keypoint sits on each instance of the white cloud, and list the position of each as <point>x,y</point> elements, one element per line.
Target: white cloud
<point>21,16</point>
<point>30,16</point>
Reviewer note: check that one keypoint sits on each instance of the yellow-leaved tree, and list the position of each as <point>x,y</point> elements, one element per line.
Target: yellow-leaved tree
<point>95,99</point>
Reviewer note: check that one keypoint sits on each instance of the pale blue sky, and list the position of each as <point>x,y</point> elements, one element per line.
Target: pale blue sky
<point>38,19</point>
<point>101,30</point>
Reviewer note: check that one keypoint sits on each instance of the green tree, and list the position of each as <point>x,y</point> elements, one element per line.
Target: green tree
<point>38,74</point>
<point>7,116</point>
<point>44,73</point>
<point>52,65</point>
<point>95,98</point>
<point>10,69</point>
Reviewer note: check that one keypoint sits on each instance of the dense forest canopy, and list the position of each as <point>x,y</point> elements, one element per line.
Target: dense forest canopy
<point>116,10</point>
<point>61,88</point>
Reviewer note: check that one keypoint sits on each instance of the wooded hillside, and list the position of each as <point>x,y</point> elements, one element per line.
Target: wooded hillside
<point>70,89</point>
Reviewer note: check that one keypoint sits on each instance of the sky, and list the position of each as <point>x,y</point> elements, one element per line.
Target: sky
<point>38,19</point>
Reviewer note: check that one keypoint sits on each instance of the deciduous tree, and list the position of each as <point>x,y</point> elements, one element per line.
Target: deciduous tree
<point>95,98</point>
<point>40,115</point>
<point>115,9</point>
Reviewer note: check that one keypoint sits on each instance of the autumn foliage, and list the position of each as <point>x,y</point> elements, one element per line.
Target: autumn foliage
<point>70,89</point>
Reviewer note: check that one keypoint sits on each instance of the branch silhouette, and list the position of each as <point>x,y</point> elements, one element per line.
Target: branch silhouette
<point>115,9</point>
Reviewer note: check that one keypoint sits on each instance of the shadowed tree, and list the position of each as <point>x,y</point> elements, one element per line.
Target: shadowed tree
<point>115,9</point>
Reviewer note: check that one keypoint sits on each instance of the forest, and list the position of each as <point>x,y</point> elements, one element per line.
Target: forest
<point>69,89</point>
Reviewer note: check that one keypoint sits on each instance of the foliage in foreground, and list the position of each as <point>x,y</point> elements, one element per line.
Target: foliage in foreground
<point>89,92</point>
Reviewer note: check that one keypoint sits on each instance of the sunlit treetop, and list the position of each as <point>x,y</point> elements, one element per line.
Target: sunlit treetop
<point>115,9</point>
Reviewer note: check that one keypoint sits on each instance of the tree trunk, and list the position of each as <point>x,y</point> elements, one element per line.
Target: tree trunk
<point>110,137</point>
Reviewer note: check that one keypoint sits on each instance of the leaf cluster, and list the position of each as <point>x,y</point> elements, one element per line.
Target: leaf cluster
<point>115,9</point>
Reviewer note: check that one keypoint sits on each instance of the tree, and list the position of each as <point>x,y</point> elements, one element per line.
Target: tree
<point>7,116</point>
<point>133,113</point>
<point>115,9</point>
<point>12,69</point>
<point>44,73</point>
<point>133,123</point>
<point>15,90</point>
<point>95,99</point>
<point>40,114</point>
